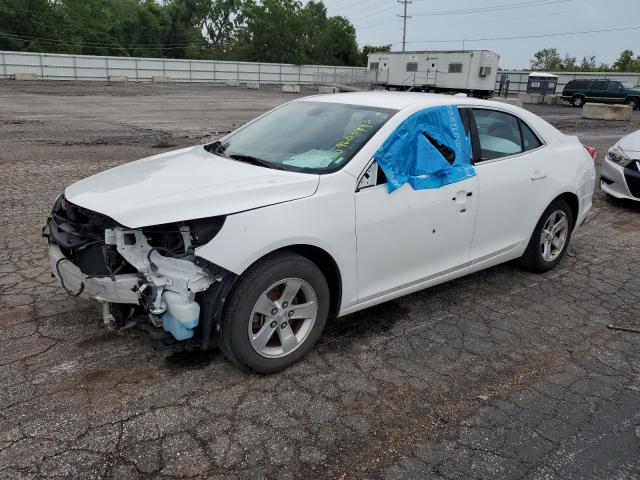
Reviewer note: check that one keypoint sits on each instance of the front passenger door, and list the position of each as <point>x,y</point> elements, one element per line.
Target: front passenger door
<point>408,237</point>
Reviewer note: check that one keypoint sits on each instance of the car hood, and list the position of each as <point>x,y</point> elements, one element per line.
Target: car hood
<point>630,143</point>
<point>184,185</point>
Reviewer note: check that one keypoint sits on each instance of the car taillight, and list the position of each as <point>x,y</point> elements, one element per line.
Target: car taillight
<point>592,151</point>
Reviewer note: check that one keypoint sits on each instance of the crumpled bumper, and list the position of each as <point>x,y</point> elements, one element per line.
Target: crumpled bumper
<point>119,289</point>
<point>613,182</point>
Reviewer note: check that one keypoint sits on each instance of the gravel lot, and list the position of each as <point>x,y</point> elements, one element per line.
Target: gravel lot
<point>502,374</point>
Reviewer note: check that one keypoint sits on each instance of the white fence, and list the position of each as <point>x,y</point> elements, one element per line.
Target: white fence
<point>53,66</point>
<point>518,79</point>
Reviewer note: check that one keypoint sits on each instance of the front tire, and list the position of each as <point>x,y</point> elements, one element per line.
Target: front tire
<point>276,313</point>
<point>634,103</point>
<point>550,238</point>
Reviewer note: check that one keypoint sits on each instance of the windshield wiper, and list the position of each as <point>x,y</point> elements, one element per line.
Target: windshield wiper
<point>254,161</point>
<point>218,148</point>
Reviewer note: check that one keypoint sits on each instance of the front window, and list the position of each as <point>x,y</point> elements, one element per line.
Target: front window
<point>305,136</point>
<point>628,85</point>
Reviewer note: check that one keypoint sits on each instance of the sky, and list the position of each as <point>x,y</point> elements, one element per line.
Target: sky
<point>377,23</point>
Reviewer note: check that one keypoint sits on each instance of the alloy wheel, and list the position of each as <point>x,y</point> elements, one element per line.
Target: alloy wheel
<point>282,317</point>
<point>554,235</point>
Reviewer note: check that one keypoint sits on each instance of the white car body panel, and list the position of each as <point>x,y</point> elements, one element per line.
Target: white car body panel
<point>183,185</point>
<point>384,244</point>
<point>409,235</point>
<point>630,145</point>
<point>325,220</point>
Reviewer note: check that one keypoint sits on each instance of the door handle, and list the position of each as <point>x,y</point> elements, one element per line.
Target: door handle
<point>538,175</point>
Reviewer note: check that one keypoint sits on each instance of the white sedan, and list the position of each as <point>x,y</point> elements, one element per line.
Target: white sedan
<point>321,207</point>
<point>620,172</point>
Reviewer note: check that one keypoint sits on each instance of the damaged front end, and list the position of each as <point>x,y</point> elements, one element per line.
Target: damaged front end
<point>149,275</point>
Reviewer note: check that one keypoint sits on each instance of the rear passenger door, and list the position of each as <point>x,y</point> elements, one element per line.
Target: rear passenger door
<point>598,91</point>
<point>512,164</point>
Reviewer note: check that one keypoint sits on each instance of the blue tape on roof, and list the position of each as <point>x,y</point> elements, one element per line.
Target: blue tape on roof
<point>408,156</point>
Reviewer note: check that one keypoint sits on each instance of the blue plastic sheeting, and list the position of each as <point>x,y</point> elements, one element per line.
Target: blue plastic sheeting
<point>407,156</point>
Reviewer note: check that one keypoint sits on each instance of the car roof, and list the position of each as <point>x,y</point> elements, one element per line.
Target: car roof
<point>416,101</point>
<point>398,100</point>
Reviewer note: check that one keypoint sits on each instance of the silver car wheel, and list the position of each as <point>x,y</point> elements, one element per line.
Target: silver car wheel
<point>554,235</point>
<point>283,317</point>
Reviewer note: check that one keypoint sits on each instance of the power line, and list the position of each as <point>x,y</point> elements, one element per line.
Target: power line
<point>139,46</point>
<point>404,21</point>
<point>517,37</point>
<point>492,8</point>
<point>374,11</point>
<point>357,7</point>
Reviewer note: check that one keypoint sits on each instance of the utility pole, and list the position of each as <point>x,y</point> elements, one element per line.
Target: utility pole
<point>404,17</point>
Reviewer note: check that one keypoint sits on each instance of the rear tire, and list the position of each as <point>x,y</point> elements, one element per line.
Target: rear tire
<point>577,101</point>
<point>550,238</point>
<point>634,103</point>
<point>293,295</point>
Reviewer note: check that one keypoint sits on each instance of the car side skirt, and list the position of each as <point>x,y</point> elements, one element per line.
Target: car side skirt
<point>509,253</point>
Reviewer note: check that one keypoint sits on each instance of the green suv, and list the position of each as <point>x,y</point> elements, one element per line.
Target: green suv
<point>578,92</point>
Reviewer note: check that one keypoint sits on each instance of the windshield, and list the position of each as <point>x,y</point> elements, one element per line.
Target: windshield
<point>304,136</point>
<point>628,85</point>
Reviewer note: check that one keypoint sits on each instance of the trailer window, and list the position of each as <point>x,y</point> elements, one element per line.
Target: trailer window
<point>374,66</point>
<point>455,68</point>
<point>412,66</point>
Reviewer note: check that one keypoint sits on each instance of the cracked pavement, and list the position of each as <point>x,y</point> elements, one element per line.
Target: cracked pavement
<point>503,374</point>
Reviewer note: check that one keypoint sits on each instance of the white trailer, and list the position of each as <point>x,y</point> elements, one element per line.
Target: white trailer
<point>470,71</point>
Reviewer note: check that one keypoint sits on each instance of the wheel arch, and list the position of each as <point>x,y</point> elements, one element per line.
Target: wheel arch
<point>323,260</point>
<point>573,201</point>
<point>632,97</point>
<point>327,265</point>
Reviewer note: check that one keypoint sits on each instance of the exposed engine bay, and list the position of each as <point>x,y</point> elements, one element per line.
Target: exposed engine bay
<point>147,276</point>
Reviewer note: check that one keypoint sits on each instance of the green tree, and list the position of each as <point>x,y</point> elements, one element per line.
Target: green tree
<point>264,30</point>
<point>367,49</point>
<point>222,22</point>
<point>339,44</point>
<point>568,64</point>
<point>272,33</point>
<point>627,62</point>
<point>588,64</point>
<point>31,25</point>
<point>547,59</point>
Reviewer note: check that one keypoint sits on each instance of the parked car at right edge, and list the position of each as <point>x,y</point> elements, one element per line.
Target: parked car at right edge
<point>620,173</point>
<point>579,92</point>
